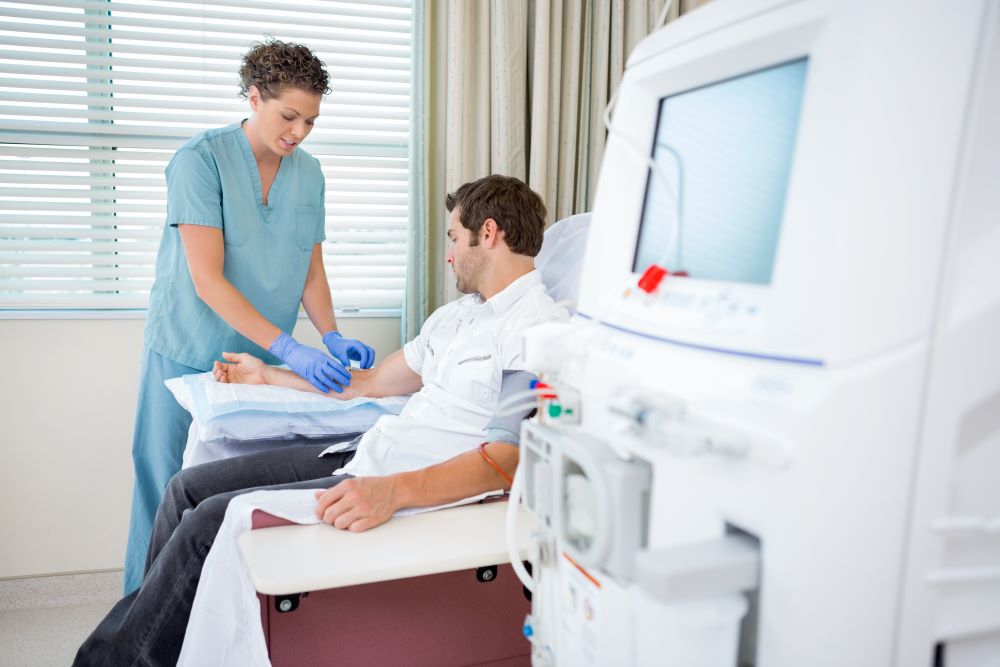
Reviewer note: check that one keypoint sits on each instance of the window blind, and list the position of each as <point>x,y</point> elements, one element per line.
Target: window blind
<point>95,96</point>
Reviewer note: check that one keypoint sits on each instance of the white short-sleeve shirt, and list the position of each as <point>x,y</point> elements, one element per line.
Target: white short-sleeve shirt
<point>460,354</point>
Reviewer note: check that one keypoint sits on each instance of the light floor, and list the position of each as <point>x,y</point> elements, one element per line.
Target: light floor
<point>44,620</point>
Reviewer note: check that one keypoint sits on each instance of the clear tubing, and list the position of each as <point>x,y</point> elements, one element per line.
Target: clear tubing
<point>514,409</point>
<point>513,502</point>
<point>640,151</point>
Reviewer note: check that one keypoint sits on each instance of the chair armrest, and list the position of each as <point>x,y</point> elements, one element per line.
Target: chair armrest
<point>298,559</point>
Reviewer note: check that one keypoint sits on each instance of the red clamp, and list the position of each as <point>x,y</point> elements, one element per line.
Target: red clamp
<point>652,278</point>
<point>546,395</point>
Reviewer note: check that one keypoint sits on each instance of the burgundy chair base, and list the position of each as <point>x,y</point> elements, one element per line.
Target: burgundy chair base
<point>450,618</point>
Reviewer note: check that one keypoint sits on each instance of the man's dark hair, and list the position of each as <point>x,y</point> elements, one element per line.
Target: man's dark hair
<point>517,209</point>
<point>274,66</point>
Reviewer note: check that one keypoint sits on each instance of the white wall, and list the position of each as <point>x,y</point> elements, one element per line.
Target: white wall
<point>67,407</point>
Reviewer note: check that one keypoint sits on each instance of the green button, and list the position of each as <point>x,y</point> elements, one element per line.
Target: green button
<point>555,410</point>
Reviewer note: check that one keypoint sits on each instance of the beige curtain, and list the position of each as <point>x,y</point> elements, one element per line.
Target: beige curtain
<point>516,87</point>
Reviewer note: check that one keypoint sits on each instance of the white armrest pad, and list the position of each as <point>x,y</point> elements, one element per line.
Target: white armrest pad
<point>298,559</point>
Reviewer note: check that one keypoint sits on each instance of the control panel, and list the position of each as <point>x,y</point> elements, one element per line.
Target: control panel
<point>699,305</point>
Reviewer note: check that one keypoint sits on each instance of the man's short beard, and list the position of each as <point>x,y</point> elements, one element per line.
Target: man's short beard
<point>463,288</point>
<point>467,281</point>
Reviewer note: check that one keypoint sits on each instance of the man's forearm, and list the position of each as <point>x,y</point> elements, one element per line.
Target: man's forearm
<point>282,377</point>
<point>461,477</point>
<point>390,378</point>
<point>361,503</point>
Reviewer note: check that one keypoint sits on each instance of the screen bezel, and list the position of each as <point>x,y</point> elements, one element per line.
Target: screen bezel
<point>672,61</point>
<point>652,156</point>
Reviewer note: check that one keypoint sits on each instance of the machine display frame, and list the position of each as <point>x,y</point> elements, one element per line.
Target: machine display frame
<point>642,257</point>
<point>702,313</point>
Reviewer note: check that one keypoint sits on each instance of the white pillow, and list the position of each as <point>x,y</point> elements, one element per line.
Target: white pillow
<point>560,260</point>
<point>207,400</point>
<point>223,415</point>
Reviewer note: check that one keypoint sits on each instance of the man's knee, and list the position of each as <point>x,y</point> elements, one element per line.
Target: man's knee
<point>195,531</point>
<point>191,486</point>
<point>181,491</point>
<point>207,516</point>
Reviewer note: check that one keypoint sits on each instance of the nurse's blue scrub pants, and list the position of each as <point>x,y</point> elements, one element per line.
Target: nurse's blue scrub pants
<point>161,428</point>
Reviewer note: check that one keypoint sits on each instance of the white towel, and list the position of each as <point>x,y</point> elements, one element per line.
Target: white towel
<point>224,629</point>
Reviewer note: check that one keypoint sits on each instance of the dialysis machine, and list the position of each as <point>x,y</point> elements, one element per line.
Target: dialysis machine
<point>783,448</point>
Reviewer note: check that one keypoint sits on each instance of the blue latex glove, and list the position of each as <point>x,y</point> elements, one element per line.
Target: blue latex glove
<point>322,372</point>
<point>346,349</point>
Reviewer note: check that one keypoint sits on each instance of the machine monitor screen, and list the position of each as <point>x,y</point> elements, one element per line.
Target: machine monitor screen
<point>723,153</point>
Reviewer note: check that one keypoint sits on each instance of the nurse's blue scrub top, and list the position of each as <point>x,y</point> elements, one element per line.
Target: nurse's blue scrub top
<point>213,180</point>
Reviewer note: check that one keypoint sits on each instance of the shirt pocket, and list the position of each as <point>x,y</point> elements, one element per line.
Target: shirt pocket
<point>234,233</point>
<point>435,353</point>
<point>475,375</point>
<point>307,224</point>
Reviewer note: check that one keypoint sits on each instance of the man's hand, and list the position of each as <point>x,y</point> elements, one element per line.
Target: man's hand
<point>242,368</point>
<point>359,503</point>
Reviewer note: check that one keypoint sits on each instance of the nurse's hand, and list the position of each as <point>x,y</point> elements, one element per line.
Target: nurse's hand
<point>346,349</point>
<point>321,371</point>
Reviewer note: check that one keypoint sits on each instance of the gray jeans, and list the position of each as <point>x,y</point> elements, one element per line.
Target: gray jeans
<point>147,627</point>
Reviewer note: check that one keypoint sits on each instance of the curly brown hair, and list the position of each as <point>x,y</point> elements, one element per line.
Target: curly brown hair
<point>274,65</point>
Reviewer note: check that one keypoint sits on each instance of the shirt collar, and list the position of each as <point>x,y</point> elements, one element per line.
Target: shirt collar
<point>506,297</point>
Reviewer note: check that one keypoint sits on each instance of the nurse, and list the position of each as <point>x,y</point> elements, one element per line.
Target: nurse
<point>241,250</point>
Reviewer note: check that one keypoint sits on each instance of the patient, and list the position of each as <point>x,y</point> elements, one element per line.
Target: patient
<point>428,455</point>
